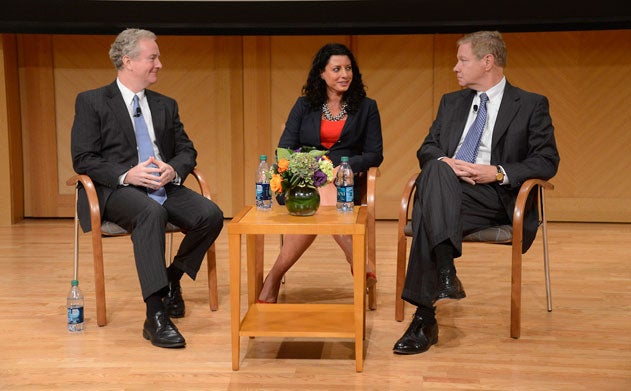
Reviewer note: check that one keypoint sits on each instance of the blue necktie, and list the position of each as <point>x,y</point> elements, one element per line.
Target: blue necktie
<point>469,148</point>
<point>145,147</point>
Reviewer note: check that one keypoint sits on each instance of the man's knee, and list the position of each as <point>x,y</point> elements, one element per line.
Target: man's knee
<point>155,211</point>
<point>212,215</point>
<point>435,172</point>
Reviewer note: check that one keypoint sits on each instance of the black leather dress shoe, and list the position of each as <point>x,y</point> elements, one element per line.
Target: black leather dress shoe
<point>419,336</point>
<point>162,332</point>
<point>449,286</point>
<point>173,301</point>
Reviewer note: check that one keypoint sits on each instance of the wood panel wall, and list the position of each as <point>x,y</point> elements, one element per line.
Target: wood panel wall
<point>236,92</point>
<point>11,198</point>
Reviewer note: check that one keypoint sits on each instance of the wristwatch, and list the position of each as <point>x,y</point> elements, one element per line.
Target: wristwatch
<point>499,177</point>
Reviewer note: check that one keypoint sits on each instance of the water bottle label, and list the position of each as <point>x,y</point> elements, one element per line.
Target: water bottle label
<point>345,194</point>
<point>263,192</point>
<point>75,315</point>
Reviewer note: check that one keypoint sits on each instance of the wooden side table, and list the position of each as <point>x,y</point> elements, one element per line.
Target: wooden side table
<point>295,320</point>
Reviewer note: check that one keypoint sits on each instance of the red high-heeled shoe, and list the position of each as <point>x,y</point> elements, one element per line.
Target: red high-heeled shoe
<point>371,278</point>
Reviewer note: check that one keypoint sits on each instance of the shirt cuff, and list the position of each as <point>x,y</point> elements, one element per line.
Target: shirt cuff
<point>121,179</point>
<point>505,181</point>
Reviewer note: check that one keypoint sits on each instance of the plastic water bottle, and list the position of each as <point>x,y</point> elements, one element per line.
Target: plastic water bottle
<point>344,184</point>
<point>75,308</point>
<point>263,193</point>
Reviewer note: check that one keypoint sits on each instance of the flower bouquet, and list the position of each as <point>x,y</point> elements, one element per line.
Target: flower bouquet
<point>297,175</point>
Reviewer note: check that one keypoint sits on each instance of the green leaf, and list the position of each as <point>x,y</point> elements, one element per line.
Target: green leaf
<point>317,153</point>
<point>283,153</point>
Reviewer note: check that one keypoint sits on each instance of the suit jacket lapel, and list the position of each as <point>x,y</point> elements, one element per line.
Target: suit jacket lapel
<point>508,110</point>
<point>118,106</point>
<point>348,124</point>
<point>157,117</point>
<point>314,123</point>
<point>461,114</point>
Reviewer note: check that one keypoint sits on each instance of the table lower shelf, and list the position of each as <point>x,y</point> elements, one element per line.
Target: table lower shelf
<point>299,320</point>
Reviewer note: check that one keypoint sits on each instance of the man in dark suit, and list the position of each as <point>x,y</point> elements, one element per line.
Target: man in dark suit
<point>486,140</point>
<point>131,143</point>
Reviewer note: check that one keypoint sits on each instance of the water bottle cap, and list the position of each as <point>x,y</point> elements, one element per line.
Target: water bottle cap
<point>263,157</point>
<point>344,158</point>
<point>74,282</point>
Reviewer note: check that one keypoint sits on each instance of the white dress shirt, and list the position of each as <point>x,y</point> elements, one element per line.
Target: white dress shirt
<point>495,95</point>
<point>128,97</point>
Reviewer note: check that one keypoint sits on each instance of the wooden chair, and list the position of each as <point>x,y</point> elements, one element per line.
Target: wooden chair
<point>507,234</point>
<point>107,228</point>
<point>368,199</point>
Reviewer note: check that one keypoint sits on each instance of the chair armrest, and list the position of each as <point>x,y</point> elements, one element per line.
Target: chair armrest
<point>201,181</point>
<point>524,191</point>
<point>93,199</point>
<point>520,205</point>
<point>371,183</point>
<point>406,197</point>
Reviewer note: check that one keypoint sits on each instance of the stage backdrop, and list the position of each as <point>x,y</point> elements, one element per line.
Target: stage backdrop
<point>235,93</point>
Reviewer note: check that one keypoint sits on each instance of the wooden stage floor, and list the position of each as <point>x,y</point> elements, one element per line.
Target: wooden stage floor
<point>583,344</point>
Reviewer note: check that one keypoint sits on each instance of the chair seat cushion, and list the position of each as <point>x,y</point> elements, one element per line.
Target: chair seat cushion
<point>498,234</point>
<point>111,229</point>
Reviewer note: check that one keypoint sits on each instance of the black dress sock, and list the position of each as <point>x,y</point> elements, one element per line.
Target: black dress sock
<point>444,255</point>
<point>154,303</point>
<point>174,274</point>
<point>427,313</point>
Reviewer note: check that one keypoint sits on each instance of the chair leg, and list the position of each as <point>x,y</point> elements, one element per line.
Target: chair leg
<point>76,246</point>
<point>99,277</point>
<point>372,261</point>
<point>169,248</point>
<point>400,278</point>
<point>211,260</point>
<point>213,297</point>
<point>515,310</point>
<point>546,260</point>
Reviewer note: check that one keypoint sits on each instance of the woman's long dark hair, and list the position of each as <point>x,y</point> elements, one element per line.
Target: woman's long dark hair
<point>315,88</point>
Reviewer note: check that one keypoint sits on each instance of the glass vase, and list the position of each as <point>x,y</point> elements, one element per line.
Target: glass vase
<point>302,201</point>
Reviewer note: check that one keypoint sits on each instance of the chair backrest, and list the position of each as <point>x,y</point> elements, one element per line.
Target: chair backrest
<point>367,184</point>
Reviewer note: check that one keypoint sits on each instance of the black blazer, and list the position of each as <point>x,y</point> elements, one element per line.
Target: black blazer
<point>523,142</point>
<point>103,142</point>
<point>360,139</point>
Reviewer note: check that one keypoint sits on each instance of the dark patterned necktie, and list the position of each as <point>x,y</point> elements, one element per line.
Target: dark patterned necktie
<point>469,148</point>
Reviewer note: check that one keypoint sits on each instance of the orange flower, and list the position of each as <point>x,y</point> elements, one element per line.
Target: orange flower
<point>283,165</point>
<point>276,183</point>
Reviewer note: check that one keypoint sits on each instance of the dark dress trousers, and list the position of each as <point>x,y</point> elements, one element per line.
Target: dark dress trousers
<point>445,207</point>
<point>103,146</point>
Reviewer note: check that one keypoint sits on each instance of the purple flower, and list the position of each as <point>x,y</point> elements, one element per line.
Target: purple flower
<point>319,178</point>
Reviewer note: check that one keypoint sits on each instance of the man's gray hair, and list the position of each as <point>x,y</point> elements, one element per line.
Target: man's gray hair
<point>126,44</point>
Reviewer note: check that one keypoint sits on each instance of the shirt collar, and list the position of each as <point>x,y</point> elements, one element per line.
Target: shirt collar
<point>494,92</point>
<point>128,95</point>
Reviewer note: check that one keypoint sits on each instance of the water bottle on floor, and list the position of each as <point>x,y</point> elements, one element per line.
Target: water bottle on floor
<point>344,184</point>
<point>74,306</point>
<point>263,193</point>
